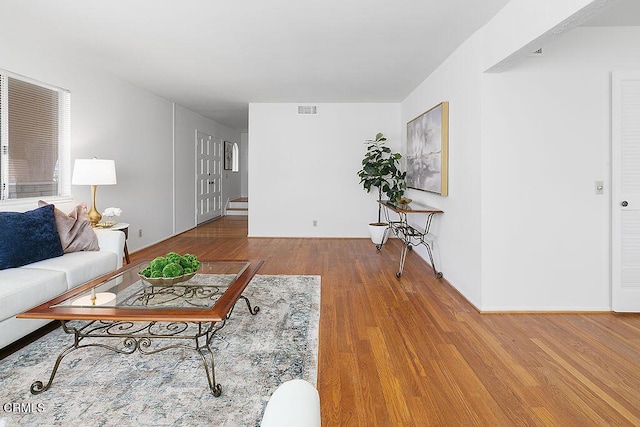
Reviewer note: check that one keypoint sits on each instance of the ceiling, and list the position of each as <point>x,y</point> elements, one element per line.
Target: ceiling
<point>214,57</point>
<point>620,13</point>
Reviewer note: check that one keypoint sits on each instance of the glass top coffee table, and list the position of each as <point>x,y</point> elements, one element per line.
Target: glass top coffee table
<point>150,315</point>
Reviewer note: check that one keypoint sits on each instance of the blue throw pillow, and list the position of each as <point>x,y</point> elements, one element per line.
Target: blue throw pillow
<point>27,237</point>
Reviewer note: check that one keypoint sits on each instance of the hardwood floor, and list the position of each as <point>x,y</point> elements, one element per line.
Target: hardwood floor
<point>413,352</point>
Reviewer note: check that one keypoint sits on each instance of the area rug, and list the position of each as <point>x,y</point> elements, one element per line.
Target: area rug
<point>99,387</point>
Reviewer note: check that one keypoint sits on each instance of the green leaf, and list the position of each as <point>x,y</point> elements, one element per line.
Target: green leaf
<point>380,169</point>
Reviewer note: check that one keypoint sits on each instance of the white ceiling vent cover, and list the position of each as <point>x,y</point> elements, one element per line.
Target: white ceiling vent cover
<point>307,109</point>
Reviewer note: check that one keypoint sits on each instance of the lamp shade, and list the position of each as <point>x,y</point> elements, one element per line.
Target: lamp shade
<point>94,172</point>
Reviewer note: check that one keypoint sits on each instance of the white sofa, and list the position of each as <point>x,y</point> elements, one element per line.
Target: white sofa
<point>30,285</point>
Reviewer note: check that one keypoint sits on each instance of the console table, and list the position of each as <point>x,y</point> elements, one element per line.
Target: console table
<point>410,235</point>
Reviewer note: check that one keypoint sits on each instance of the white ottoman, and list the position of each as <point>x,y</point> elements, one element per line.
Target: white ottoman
<point>294,403</point>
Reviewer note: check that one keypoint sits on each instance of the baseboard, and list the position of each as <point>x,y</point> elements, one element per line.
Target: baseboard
<point>545,310</point>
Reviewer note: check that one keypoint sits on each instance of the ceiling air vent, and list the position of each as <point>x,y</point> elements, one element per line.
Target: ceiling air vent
<point>307,109</point>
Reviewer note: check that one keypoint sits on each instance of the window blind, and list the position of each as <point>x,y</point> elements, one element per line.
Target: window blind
<point>34,126</point>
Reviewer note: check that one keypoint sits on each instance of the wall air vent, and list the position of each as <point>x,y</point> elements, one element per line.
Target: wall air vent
<point>307,109</point>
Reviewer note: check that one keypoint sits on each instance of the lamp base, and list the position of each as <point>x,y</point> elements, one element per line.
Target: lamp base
<point>94,215</point>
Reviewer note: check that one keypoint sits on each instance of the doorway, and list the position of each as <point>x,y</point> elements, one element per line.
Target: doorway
<point>208,177</point>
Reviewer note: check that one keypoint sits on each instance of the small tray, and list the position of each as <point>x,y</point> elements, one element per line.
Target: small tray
<point>167,281</point>
<point>106,224</point>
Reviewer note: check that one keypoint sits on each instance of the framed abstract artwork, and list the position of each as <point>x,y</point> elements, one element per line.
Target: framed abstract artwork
<point>428,150</point>
<point>228,155</point>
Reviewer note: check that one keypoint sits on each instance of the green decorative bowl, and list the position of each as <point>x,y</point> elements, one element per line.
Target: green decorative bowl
<point>167,281</point>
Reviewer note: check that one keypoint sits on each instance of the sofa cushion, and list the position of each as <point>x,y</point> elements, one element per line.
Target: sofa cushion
<point>74,229</point>
<point>23,288</point>
<point>79,267</point>
<point>27,237</point>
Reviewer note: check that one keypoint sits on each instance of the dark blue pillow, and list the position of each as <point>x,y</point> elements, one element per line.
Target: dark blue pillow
<point>27,237</point>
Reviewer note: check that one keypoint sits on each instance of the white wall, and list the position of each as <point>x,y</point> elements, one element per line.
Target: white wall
<point>127,125</point>
<point>112,119</point>
<point>115,120</point>
<point>458,81</point>
<point>546,139</point>
<point>244,164</point>
<point>186,124</point>
<point>303,168</point>
<point>522,228</point>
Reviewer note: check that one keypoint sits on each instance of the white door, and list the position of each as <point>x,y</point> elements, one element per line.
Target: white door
<point>208,177</point>
<point>625,213</point>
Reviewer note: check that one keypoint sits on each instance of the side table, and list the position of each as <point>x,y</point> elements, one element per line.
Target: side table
<point>410,235</point>
<point>124,227</point>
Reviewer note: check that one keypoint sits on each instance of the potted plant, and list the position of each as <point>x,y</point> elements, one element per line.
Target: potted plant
<point>380,169</point>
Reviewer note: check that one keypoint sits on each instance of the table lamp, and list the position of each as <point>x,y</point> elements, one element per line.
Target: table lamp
<point>94,172</point>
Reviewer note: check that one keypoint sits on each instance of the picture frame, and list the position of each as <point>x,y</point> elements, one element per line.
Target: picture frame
<point>428,151</point>
<point>228,155</point>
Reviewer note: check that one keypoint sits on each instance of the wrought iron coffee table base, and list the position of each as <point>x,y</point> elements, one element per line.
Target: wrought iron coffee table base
<point>140,336</point>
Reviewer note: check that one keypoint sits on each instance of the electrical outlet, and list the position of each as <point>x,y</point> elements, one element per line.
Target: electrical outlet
<point>315,222</point>
<point>140,232</point>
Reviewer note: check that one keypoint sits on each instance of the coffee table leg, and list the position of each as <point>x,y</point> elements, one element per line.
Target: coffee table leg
<point>207,359</point>
<point>38,387</point>
<point>253,310</point>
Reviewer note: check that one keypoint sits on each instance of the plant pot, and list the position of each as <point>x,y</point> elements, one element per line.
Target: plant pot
<point>377,232</point>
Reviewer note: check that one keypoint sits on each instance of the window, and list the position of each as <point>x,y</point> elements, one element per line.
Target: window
<point>235,163</point>
<point>34,139</point>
